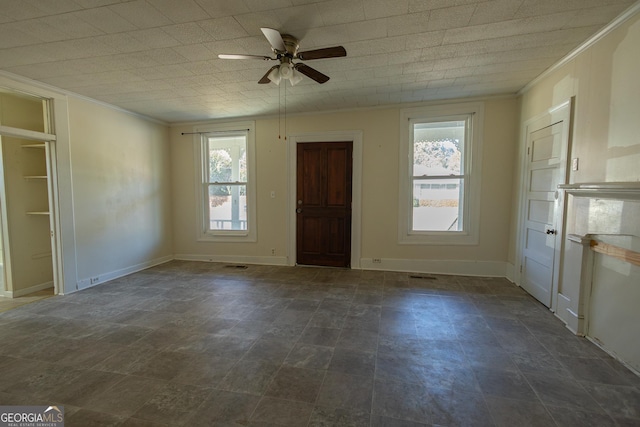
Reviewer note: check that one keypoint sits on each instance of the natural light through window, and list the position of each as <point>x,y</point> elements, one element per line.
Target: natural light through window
<point>438,176</point>
<point>440,159</point>
<point>227,188</point>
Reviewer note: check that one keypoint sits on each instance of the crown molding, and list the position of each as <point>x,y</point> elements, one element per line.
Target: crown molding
<point>47,87</point>
<point>442,101</point>
<point>618,21</point>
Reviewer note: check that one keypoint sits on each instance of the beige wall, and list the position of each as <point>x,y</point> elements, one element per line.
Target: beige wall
<point>604,81</point>
<point>381,134</point>
<point>121,190</point>
<point>21,111</point>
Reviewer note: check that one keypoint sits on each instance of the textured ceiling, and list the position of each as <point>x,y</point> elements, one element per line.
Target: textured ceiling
<point>159,57</point>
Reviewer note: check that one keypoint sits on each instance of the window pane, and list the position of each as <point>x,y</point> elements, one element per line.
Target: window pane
<point>437,205</point>
<point>438,148</point>
<point>227,207</point>
<point>227,159</point>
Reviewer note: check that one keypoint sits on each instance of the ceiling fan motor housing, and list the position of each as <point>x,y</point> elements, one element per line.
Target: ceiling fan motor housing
<point>291,44</point>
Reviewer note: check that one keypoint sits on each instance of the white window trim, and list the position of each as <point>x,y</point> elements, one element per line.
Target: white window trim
<point>472,187</point>
<point>201,166</point>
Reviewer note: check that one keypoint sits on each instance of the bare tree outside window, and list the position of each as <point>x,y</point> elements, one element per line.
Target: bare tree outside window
<point>438,175</point>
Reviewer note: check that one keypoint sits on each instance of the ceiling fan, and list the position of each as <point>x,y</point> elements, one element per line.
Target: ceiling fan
<point>285,48</point>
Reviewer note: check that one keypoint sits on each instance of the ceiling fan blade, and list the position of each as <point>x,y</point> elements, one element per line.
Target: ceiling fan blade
<point>312,73</point>
<point>327,52</point>
<point>264,58</point>
<point>265,79</point>
<point>275,39</point>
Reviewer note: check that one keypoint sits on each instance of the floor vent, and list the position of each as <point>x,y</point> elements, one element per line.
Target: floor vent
<point>416,276</point>
<point>237,267</point>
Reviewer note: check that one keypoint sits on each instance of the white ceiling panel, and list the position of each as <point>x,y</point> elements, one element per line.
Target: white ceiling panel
<point>104,19</point>
<point>223,28</point>
<point>180,11</point>
<point>160,57</point>
<point>141,14</point>
<point>220,8</point>
<point>374,9</point>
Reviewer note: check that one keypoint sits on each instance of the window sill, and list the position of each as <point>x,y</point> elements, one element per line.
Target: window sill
<point>440,239</point>
<point>230,237</point>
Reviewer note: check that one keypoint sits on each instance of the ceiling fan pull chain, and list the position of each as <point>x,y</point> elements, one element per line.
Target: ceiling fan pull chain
<point>279,111</point>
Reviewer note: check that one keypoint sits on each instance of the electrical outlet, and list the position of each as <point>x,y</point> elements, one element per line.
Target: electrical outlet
<point>94,280</point>
<point>377,261</point>
<point>273,251</point>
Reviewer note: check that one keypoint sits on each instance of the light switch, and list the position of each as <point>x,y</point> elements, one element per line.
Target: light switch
<point>574,164</point>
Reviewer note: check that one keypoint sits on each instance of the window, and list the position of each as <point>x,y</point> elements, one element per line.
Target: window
<point>226,190</point>
<point>440,160</point>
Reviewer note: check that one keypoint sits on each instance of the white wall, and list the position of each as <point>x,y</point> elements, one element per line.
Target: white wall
<point>381,136</point>
<point>120,168</point>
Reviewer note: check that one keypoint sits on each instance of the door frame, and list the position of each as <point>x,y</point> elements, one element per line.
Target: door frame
<point>48,140</point>
<point>66,273</point>
<point>355,137</point>
<point>560,112</point>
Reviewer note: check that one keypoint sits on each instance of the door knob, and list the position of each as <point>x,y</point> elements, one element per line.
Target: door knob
<point>299,210</point>
<point>551,231</point>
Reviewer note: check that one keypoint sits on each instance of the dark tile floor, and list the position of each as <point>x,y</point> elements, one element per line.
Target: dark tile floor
<point>199,344</point>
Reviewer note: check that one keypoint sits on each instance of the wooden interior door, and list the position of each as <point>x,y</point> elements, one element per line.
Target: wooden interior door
<point>547,146</point>
<point>323,211</point>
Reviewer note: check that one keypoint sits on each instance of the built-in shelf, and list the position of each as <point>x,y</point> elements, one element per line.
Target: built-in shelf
<point>610,190</point>
<point>33,146</point>
<point>38,213</point>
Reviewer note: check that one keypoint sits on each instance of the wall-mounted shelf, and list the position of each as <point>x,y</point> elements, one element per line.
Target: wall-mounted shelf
<point>35,177</point>
<point>38,213</point>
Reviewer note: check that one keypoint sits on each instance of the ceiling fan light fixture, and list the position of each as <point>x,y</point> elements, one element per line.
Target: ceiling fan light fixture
<point>275,76</point>
<point>295,78</point>
<point>286,70</point>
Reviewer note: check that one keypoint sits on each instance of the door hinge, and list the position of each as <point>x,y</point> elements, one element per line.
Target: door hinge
<point>520,268</point>
<point>528,150</point>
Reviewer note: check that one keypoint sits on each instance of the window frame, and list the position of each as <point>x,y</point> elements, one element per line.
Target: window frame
<point>473,114</point>
<point>201,150</point>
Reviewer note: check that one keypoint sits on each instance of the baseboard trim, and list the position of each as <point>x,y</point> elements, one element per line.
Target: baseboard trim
<point>234,259</point>
<point>571,320</point>
<point>452,267</point>
<point>510,272</point>
<point>613,354</point>
<point>26,291</point>
<point>105,277</point>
